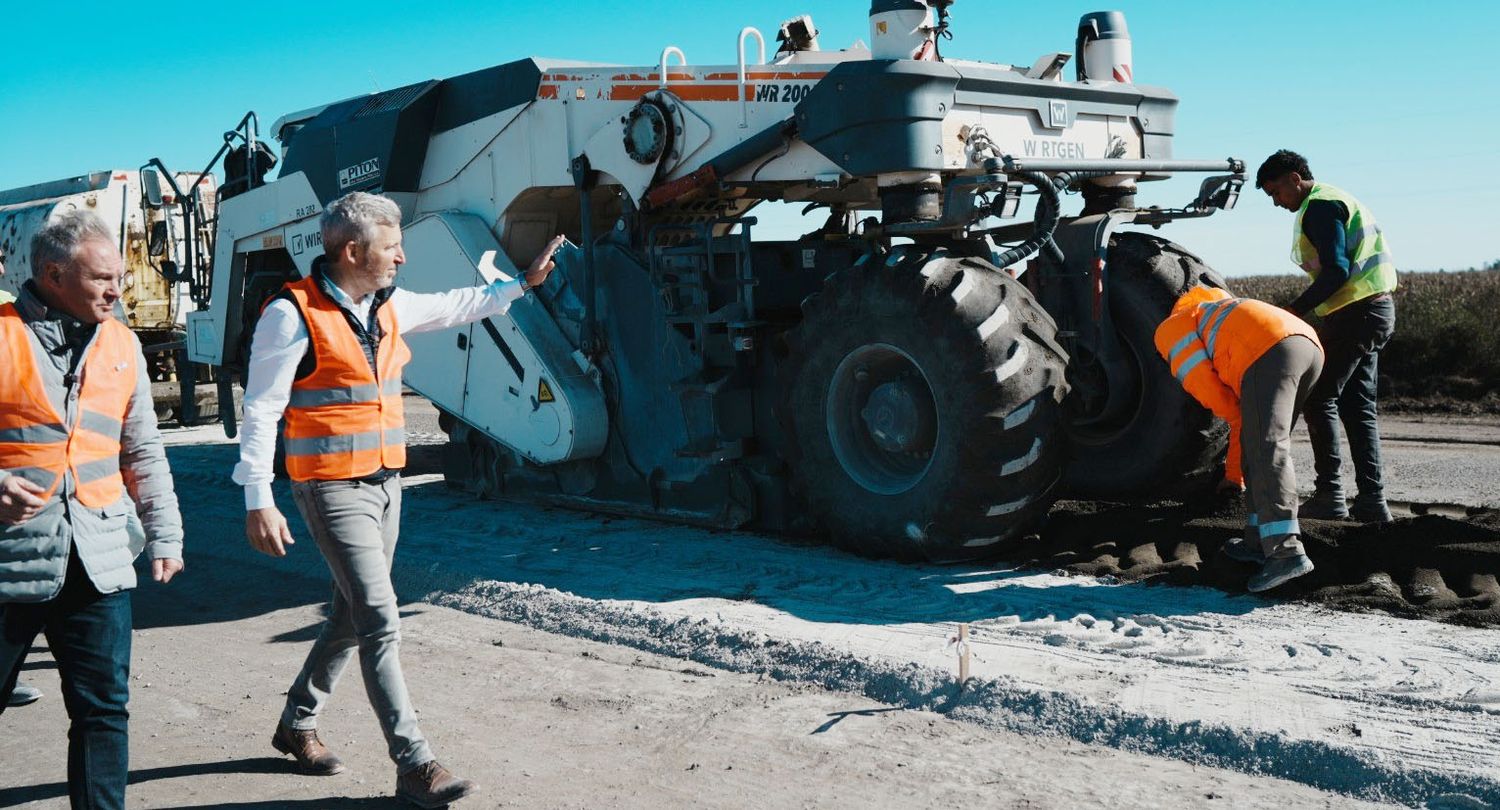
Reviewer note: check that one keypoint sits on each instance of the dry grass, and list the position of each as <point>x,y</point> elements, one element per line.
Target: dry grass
<point>1446,351</point>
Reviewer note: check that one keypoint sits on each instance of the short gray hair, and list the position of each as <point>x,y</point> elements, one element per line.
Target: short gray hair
<point>58,242</point>
<point>353,218</point>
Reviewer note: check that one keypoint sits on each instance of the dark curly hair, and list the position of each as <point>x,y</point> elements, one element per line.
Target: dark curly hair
<point>1281,164</point>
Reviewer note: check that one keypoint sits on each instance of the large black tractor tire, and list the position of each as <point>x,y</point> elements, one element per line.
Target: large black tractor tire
<point>922,406</point>
<point>1165,444</point>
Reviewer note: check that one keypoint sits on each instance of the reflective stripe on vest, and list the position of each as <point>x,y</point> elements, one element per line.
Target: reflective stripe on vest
<point>1372,270</point>
<point>34,441</point>
<point>344,420</point>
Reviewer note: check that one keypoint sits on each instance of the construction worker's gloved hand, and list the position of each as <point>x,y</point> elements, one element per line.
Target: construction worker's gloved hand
<point>1228,487</point>
<point>1228,498</point>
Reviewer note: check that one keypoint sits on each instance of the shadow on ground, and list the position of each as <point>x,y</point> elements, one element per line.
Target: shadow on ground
<point>10,797</point>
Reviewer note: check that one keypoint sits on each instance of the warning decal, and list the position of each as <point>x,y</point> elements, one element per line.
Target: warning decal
<point>543,393</point>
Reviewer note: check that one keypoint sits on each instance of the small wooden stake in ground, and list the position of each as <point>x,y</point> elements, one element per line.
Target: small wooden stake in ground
<point>963,653</point>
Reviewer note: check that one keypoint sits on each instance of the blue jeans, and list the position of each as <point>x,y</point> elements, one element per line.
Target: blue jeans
<point>89,635</point>
<point>1352,339</point>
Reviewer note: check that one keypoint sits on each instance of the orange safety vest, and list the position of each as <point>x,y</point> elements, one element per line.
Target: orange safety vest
<point>1211,338</point>
<point>36,444</point>
<point>344,420</point>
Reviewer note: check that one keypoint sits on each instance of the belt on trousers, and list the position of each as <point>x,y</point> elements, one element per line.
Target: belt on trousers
<point>379,477</point>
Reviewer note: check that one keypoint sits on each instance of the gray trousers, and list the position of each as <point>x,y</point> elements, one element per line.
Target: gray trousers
<point>1272,393</point>
<point>355,526</point>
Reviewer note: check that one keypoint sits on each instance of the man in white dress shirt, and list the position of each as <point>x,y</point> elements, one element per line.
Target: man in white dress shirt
<point>327,355</point>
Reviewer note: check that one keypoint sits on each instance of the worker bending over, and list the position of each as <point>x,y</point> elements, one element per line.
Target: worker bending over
<point>1253,365</point>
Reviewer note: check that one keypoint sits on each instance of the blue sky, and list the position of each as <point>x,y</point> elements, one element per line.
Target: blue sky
<point>1399,103</point>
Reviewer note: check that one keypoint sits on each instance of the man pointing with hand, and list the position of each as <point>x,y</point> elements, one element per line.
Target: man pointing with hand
<point>327,356</point>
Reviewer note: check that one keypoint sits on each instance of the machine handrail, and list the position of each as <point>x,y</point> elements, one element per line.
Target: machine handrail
<point>744,103</point>
<point>666,52</point>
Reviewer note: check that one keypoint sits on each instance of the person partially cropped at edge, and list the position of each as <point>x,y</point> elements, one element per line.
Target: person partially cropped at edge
<point>22,694</point>
<point>327,355</point>
<point>1337,242</point>
<point>79,452</point>
<point>1253,365</point>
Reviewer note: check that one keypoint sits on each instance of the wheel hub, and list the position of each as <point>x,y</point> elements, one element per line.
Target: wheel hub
<point>899,418</point>
<point>882,418</point>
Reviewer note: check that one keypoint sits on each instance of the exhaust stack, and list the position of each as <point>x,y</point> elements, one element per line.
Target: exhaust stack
<point>1103,48</point>
<point>901,29</point>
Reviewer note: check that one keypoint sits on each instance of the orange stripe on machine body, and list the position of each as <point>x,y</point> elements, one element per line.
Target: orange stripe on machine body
<point>345,421</point>
<point>36,436</point>
<point>684,91</point>
<point>687,86</point>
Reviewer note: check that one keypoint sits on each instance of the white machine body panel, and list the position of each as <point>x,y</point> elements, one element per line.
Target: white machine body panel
<point>252,221</point>
<point>518,379</point>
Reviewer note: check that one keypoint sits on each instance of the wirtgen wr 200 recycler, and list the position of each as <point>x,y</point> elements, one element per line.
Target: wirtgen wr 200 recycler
<point>915,377</point>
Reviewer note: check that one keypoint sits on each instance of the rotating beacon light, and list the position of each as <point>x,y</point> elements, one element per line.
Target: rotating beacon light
<point>1103,48</point>
<point>901,29</point>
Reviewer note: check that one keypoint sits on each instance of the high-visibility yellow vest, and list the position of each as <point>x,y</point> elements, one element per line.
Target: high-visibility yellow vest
<point>1372,270</point>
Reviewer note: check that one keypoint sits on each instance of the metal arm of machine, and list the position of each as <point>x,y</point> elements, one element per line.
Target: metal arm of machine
<point>1122,165</point>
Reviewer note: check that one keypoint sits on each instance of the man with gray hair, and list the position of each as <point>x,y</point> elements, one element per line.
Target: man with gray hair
<point>79,449</point>
<point>327,356</point>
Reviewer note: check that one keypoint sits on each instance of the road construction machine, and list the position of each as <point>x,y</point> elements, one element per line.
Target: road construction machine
<point>919,375</point>
<point>151,216</point>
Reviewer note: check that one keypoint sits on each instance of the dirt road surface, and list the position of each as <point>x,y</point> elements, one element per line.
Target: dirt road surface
<point>1428,460</point>
<point>546,721</point>
<point>570,660</point>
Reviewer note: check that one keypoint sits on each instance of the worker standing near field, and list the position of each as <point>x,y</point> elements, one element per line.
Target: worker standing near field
<point>1253,365</point>
<point>1336,241</point>
<point>327,355</point>
<point>79,450</point>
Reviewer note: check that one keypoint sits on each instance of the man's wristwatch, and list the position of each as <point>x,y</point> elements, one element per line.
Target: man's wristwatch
<point>525,285</point>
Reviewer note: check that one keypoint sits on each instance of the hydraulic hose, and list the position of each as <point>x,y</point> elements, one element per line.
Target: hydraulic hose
<point>1048,212</point>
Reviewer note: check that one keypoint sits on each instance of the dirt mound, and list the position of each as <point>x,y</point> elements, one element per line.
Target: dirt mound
<point>1427,566</point>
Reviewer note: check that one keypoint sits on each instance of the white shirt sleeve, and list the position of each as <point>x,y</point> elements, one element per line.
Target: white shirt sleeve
<point>429,312</point>
<point>276,350</point>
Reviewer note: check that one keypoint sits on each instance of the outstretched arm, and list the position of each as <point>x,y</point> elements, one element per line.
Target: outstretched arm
<point>429,312</point>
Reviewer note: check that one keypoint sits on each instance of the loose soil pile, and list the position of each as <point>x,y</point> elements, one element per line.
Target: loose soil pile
<point>1428,566</point>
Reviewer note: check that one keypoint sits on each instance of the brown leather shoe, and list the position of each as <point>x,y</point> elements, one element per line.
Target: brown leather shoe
<point>312,755</point>
<point>431,785</point>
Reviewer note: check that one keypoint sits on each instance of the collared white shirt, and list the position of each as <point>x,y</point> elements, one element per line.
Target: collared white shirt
<point>281,340</point>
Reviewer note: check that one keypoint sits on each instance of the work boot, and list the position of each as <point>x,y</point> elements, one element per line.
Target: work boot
<point>432,785</point>
<point>1278,570</point>
<point>1370,509</point>
<point>1324,505</point>
<point>23,695</point>
<point>1241,550</point>
<point>312,755</point>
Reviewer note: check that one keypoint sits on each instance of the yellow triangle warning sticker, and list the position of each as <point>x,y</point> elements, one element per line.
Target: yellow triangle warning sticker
<point>543,393</point>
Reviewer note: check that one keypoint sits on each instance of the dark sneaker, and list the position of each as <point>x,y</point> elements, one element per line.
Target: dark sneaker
<point>1324,506</point>
<point>1368,509</point>
<point>431,785</point>
<point>1242,550</point>
<point>1279,570</point>
<point>23,695</point>
<point>310,752</point>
